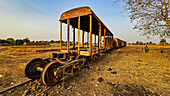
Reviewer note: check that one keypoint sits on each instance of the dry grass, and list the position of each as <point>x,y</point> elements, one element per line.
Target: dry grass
<point>137,72</point>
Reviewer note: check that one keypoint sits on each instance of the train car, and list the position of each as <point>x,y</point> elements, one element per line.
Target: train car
<point>70,59</point>
<point>118,43</point>
<point>124,43</point>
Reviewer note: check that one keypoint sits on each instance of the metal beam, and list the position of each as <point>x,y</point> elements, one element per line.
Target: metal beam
<point>87,39</point>
<point>100,29</point>
<point>68,34</point>
<point>60,35</point>
<point>83,38</point>
<point>73,37</point>
<point>107,39</point>
<point>79,35</point>
<point>95,40</point>
<point>104,45</point>
<point>90,30</point>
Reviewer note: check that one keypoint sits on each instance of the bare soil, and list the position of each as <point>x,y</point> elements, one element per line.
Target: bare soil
<point>126,71</point>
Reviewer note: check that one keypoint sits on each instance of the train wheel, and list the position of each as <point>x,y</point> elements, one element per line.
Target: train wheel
<point>48,77</point>
<point>30,69</point>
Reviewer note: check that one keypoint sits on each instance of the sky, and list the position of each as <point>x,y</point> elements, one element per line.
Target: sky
<point>39,19</point>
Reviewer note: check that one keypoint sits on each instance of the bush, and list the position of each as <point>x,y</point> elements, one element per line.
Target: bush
<point>2,41</point>
<point>10,40</point>
<point>18,42</point>
<point>163,40</point>
<point>26,40</point>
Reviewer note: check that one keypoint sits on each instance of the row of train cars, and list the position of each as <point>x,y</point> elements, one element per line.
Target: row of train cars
<point>69,61</point>
<point>118,43</point>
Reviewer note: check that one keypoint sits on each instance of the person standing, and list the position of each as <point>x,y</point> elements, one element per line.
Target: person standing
<point>146,48</point>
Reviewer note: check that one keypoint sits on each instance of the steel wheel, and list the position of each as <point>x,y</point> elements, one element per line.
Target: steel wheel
<point>47,76</point>
<point>30,69</point>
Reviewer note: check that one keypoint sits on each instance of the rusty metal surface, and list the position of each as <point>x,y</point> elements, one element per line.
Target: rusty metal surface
<point>84,12</point>
<point>81,11</point>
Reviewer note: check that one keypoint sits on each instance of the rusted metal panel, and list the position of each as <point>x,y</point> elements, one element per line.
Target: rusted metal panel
<point>76,12</point>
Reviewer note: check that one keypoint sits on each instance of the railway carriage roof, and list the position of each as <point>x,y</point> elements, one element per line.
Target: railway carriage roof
<point>84,13</point>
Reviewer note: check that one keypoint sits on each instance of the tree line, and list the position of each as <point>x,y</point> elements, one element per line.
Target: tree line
<point>148,43</point>
<point>12,41</point>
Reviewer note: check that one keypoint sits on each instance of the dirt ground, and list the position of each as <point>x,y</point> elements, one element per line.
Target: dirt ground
<point>13,60</point>
<point>126,71</point>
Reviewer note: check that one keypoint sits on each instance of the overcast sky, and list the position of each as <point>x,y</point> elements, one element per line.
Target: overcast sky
<point>39,19</point>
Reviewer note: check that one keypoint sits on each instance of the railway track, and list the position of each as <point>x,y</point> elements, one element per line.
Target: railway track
<point>14,86</point>
<point>32,87</point>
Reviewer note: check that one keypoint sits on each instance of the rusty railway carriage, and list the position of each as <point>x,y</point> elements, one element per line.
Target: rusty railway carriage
<point>70,59</point>
<point>118,43</point>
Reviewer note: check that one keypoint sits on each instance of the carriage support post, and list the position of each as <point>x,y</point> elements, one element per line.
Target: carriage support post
<point>79,35</point>
<point>68,34</point>
<point>60,35</point>
<point>73,37</point>
<point>104,45</point>
<point>90,30</point>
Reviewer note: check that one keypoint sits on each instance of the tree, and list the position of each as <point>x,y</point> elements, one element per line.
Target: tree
<point>57,41</point>
<point>18,42</point>
<point>163,41</point>
<point>33,41</point>
<point>150,42</point>
<point>140,43</point>
<point>52,41</point>
<point>26,39</point>
<point>2,41</point>
<point>137,42</point>
<point>10,40</point>
<point>147,43</point>
<point>152,16</point>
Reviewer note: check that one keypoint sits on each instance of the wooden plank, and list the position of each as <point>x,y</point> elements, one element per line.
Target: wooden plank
<point>48,50</point>
<point>84,53</point>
